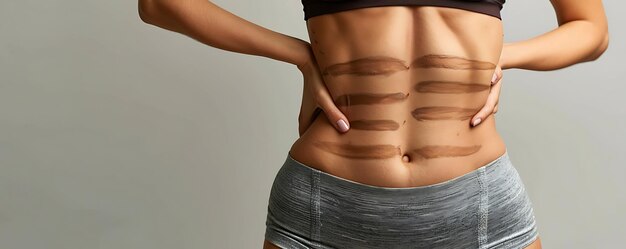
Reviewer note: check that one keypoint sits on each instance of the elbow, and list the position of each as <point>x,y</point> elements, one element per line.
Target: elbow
<point>143,8</point>
<point>149,10</point>
<point>602,46</point>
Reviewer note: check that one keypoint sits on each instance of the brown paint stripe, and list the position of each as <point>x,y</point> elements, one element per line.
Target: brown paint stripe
<point>359,151</point>
<point>370,98</point>
<point>450,62</point>
<point>443,112</point>
<point>436,151</point>
<point>374,125</point>
<point>374,65</point>
<point>432,86</point>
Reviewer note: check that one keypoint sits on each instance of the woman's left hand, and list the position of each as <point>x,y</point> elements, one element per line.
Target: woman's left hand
<point>491,106</point>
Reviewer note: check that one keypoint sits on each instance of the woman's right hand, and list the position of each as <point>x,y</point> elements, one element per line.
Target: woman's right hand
<point>315,95</point>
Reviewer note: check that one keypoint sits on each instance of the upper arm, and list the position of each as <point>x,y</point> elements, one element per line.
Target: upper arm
<point>583,10</point>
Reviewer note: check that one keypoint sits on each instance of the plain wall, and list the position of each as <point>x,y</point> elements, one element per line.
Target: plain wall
<point>118,134</point>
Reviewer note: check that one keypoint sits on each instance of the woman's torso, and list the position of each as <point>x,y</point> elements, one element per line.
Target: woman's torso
<point>418,74</point>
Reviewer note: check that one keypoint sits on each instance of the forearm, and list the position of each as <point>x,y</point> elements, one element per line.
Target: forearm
<point>216,27</point>
<point>573,42</point>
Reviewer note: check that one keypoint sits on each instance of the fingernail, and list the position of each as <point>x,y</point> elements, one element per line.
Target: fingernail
<point>476,121</point>
<point>343,127</point>
<point>493,78</point>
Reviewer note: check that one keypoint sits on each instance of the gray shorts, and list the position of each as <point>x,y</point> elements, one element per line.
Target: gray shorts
<point>485,208</point>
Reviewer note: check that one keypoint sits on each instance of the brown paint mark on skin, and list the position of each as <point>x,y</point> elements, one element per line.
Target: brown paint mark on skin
<point>450,62</point>
<point>374,125</point>
<point>443,112</point>
<point>449,87</point>
<point>368,66</point>
<point>382,151</point>
<point>370,98</point>
<point>436,151</point>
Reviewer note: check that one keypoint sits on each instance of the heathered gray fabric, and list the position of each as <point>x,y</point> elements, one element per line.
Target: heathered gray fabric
<point>485,208</point>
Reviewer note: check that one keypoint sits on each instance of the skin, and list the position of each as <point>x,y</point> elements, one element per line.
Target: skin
<point>412,79</point>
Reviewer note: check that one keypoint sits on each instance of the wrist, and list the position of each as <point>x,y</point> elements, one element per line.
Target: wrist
<point>514,55</point>
<point>307,61</point>
<point>505,57</point>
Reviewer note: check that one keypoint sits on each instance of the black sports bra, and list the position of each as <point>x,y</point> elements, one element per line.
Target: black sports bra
<point>319,7</point>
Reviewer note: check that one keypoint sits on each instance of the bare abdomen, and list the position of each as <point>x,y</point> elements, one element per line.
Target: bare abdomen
<point>410,100</point>
<point>418,110</point>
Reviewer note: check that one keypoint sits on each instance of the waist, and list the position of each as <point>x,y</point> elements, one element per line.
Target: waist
<point>436,152</point>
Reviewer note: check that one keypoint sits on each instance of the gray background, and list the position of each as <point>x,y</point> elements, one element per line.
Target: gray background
<point>117,134</point>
